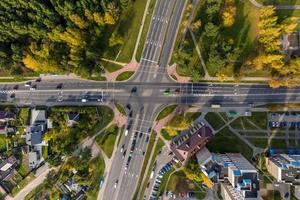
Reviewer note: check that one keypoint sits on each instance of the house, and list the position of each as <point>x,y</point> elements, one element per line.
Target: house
<point>7,167</point>
<point>72,119</point>
<point>72,189</point>
<point>284,168</point>
<point>189,143</point>
<point>6,116</point>
<point>237,176</point>
<point>34,136</point>
<point>34,159</point>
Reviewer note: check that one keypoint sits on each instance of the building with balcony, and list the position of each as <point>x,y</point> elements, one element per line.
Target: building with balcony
<point>284,168</point>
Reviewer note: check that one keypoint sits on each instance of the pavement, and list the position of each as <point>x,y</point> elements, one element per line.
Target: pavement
<point>145,93</point>
<point>279,7</point>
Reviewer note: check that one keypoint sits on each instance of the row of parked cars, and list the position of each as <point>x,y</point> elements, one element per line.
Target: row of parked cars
<point>158,179</point>
<point>277,124</point>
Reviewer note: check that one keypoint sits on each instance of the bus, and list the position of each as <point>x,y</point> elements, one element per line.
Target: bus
<point>215,105</point>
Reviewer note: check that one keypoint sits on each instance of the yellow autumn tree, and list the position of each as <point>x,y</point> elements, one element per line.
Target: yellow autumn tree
<point>40,65</point>
<point>89,15</point>
<point>268,60</point>
<point>229,13</point>
<point>98,18</point>
<point>289,25</point>
<point>274,83</point>
<point>109,19</point>
<point>78,21</point>
<point>269,32</point>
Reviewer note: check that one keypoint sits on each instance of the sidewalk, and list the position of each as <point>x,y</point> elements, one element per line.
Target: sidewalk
<point>112,76</point>
<point>278,7</point>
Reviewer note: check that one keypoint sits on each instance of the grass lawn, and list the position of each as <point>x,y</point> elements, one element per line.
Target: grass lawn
<point>120,108</point>
<point>166,111</point>
<point>3,140</point>
<point>146,159</point>
<point>22,184</point>
<point>226,142</point>
<point>262,143</point>
<point>164,182</point>
<point>107,116</point>
<point>145,30</point>
<point>214,120</point>
<point>158,147</point>
<point>111,67</point>
<point>278,144</point>
<point>107,140</point>
<point>242,123</point>
<point>45,152</point>
<point>124,76</point>
<point>98,166</point>
<point>129,27</point>
<point>178,183</point>
<point>165,134</point>
<point>260,119</point>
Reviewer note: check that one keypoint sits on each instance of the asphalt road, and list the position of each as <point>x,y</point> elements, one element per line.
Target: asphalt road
<point>151,84</point>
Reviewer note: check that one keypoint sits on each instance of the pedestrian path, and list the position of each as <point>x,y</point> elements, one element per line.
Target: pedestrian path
<point>278,7</point>
<point>112,76</point>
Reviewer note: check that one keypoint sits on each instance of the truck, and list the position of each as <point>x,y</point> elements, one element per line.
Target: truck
<point>215,105</point>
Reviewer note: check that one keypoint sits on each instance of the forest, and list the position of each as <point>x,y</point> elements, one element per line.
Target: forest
<point>52,36</point>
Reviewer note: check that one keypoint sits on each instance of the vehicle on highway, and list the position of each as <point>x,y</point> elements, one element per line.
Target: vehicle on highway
<point>126,132</point>
<point>122,148</point>
<point>176,91</point>
<point>116,183</point>
<point>38,80</point>
<point>100,99</point>
<point>135,135</point>
<point>143,153</point>
<point>133,90</point>
<point>147,139</point>
<point>215,105</point>
<point>167,92</point>
<point>33,87</point>
<point>84,100</point>
<point>124,154</point>
<point>27,84</point>
<point>128,162</point>
<point>141,134</point>
<point>16,87</point>
<point>13,95</point>
<point>128,106</point>
<point>101,183</point>
<point>130,113</point>
<point>59,86</point>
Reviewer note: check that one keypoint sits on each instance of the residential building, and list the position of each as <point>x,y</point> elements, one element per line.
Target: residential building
<point>237,176</point>
<point>190,142</point>
<point>284,168</point>
<point>34,134</point>
<point>6,116</point>
<point>7,167</point>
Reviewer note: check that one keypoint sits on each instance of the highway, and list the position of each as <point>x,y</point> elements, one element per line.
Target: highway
<point>144,95</point>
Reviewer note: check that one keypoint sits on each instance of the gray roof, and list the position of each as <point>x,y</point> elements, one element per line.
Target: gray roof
<point>37,115</point>
<point>34,135</point>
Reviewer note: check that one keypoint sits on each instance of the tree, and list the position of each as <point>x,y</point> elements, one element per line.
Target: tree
<point>289,25</point>
<point>229,13</point>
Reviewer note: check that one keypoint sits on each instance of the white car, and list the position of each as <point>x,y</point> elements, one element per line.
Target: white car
<point>27,84</point>
<point>83,100</point>
<point>116,183</point>
<point>126,132</point>
<point>122,148</point>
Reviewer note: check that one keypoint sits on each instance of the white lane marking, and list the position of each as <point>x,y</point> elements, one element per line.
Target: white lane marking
<point>152,61</point>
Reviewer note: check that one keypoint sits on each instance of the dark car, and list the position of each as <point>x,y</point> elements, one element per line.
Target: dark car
<point>128,106</point>
<point>38,80</point>
<point>16,87</point>
<point>59,86</point>
<point>133,90</point>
